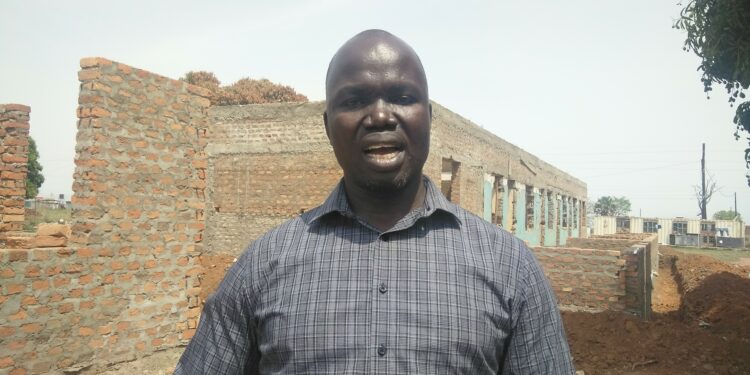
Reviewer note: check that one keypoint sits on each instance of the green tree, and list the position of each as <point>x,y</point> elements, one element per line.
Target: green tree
<point>718,31</point>
<point>727,215</point>
<point>244,91</point>
<point>34,177</point>
<point>612,206</point>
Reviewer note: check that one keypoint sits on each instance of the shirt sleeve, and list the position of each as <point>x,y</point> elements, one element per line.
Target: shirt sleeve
<point>538,344</point>
<point>225,341</point>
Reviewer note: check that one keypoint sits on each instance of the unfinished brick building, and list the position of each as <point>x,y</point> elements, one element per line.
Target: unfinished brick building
<point>267,163</point>
<point>163,179</point>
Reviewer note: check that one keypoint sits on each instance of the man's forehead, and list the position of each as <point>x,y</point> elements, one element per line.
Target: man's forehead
<point>371,48</point>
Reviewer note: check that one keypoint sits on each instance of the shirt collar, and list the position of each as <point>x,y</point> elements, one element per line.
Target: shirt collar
<point>337,202</point>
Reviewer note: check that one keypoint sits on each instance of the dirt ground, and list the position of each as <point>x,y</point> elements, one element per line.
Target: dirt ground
<point>700,325</point>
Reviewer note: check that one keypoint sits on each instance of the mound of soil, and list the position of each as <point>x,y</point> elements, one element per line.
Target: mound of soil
<point>715,294</point>
<point>704,330</point>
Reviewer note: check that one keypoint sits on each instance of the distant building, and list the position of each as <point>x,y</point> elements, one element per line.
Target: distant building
<point>678,231</point>
<point>48,203</point>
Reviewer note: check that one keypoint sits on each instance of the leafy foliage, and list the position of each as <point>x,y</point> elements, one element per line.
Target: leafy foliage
<point>34,177</point>
<point>612,206</point>
<point>718,31</point>
<point>244,91</point>
<point>727,215</point>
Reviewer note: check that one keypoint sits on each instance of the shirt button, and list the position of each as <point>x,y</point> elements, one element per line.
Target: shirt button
<point>382,350</point>
<point>383,288</point>
<point>384,237</point>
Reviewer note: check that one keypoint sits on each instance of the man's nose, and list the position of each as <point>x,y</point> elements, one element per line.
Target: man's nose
<point>380,115</point>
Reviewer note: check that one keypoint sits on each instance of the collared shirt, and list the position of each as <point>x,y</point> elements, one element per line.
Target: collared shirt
<point>442,292</point>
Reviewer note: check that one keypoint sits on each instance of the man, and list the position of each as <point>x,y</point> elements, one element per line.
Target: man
<point>387,276</point>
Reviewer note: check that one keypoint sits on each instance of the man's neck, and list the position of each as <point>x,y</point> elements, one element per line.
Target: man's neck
<point>383,210</point>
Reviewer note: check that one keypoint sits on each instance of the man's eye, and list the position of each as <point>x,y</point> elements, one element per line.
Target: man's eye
<point>404,100</point>
<point>352,103</point>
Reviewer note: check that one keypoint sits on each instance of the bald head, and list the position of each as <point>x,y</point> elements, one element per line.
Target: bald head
<point>369,48</point>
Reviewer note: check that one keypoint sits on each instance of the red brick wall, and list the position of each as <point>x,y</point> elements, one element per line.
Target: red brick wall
<point>254,192</point>
<point>127,284</point>
<point>14,151</point>
<point>602,273</point>
<point>601,243</point>
<point>267,163</point>
<point>585,279</point>
<point>284,147</point>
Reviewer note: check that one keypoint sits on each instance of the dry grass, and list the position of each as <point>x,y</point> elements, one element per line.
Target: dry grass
<point>34,217</point>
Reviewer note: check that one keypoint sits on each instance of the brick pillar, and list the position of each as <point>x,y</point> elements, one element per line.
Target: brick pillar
<point>14,148</point>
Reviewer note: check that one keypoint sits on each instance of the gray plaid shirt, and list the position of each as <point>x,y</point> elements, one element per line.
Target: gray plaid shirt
<point>442,292</point>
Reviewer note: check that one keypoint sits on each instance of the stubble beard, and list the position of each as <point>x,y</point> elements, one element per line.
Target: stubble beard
<point>383,186</point>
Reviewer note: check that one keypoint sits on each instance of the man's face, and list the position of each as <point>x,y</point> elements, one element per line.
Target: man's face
<point>378,115</point>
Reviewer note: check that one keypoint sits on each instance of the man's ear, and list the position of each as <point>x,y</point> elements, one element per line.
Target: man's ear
<point>325,123</point>
<point>430,112</point>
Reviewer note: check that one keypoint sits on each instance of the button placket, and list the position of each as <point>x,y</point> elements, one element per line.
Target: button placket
<point>379,322</point>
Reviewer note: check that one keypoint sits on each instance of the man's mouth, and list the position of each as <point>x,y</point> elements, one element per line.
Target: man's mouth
<point>384,156</point>
<point>382,151</point>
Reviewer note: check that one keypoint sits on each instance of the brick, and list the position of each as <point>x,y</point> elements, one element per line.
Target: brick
<point>7,331</point>
<point>31,328</point>
<point>65,308</point>
<point>17,344</point>
<point>83,201</point>
<point>200,163</point>
<point>99,112</point>
<point>50,241</point>
<point>188,334</point>
<point>20,315</point>
<point>89,62</point>
<point>10,159</point>
<point>13,218</point>
<point>122,68</point>
<point>89,74</point>
<point>85,279</point>
<point>8,175</point>
<point>16,107</point>
<point>40,284</point>
<point>7,273</point>
<point>96,343</point>
<point>6,362</point>
<point>122,326</point>
<point>53,230</point>
<point>74,268</point>
<point>104,330</point>
<point>98,187</point>
<point>28,301</point>
<point>16,288</point>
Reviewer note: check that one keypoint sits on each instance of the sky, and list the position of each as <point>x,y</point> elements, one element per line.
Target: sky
<point>600,89</point>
